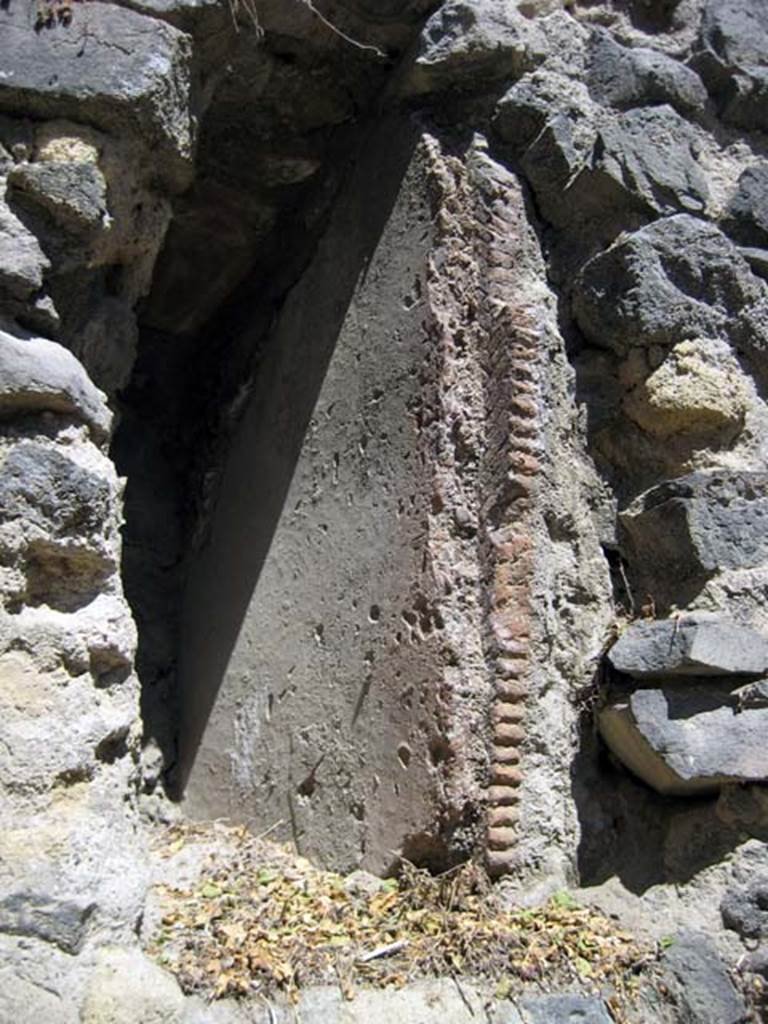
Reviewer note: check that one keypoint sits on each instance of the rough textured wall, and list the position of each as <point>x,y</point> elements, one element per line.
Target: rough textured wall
<point>526,242</point>
<point>320,563</point>
<point>375,597</point>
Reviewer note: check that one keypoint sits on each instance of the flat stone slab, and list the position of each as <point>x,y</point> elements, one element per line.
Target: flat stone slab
<point>687,738</point>
<point>38,375</point>
<point>692,645</point>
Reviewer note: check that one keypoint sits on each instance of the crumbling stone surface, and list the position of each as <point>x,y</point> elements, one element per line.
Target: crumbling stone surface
<point>74,194</point>
<point>698,388</point>
<point>414,589</point>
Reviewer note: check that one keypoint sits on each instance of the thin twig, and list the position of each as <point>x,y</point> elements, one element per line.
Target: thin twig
<point>267,831</point>
<point>343,35</point>
<point>270,1009</point>
<point>627,587</point>
<point>462,994</point>
<point>380,951</point>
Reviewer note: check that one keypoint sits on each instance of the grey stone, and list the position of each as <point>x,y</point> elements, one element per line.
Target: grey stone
<point>107,343</point>
<point>648,155</point>
<point>564,1009</point>
<point>744,809</point>
<point>677,278</point>
<point>583,162</point>
<point>62,922</point>
<point>757,259</point>
<point>757,962</point>
<point>526,107</point>
<point>679,533</point>
<point>746,218</point>
<point>551,163</point>
<point>551,123</point>
<point>686,738</point>
<point>737,31</point>
<point>22,261</point>
<point>39,982</point>
<point>75,195</point>
<point>753,695</point>
<point>696,644</point>
<point>744,909</point>
<point>39,375</point>
<point>465,43</point>
<point>699,982</point>
<point>732,58</point>
<point>424,1002</point>
<point>126,987</point>
<point>747,104</point>
<point>504,1013</point>
<point>42,486</point>
<point>127,73</point>
<point>188,15</point>
<point>623,77</point>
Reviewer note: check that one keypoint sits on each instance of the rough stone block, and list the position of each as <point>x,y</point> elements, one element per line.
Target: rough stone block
<point>38,375</point>
<point>526,107</point>
<point>111,67</point>
<point>23,263</point>
<point>686,738</point>
<point>647,155</point>
<point>746,219</point>
<point>693,645</point>
<point>41,486</point>
<point>127,987</point>
<point>699,388</point>
<point>551,122</point>
<point>625,77</point>
<point>675,279</point>
<point>462,42</point>
<point>682,531</point>
<point>745,909</point>
<point>699,982</point>
<point>62,922</point>
<point>75,195</point>
<point>732,58</point>
<point>422,1002</point>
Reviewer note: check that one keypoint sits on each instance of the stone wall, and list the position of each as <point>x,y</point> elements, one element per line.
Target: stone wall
<point>435,339</point>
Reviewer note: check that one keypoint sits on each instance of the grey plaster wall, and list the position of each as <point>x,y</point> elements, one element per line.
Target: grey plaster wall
<point>311,657</point>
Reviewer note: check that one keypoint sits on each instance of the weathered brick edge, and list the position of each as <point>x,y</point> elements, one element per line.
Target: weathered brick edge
<point>513,403</point>
<point>486,295</point>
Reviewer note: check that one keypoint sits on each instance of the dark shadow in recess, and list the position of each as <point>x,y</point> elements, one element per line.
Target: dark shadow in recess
<point>628,831</point>
<point>264,454</point>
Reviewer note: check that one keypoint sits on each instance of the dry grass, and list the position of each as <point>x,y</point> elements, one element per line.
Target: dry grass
<point>264,920</point>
